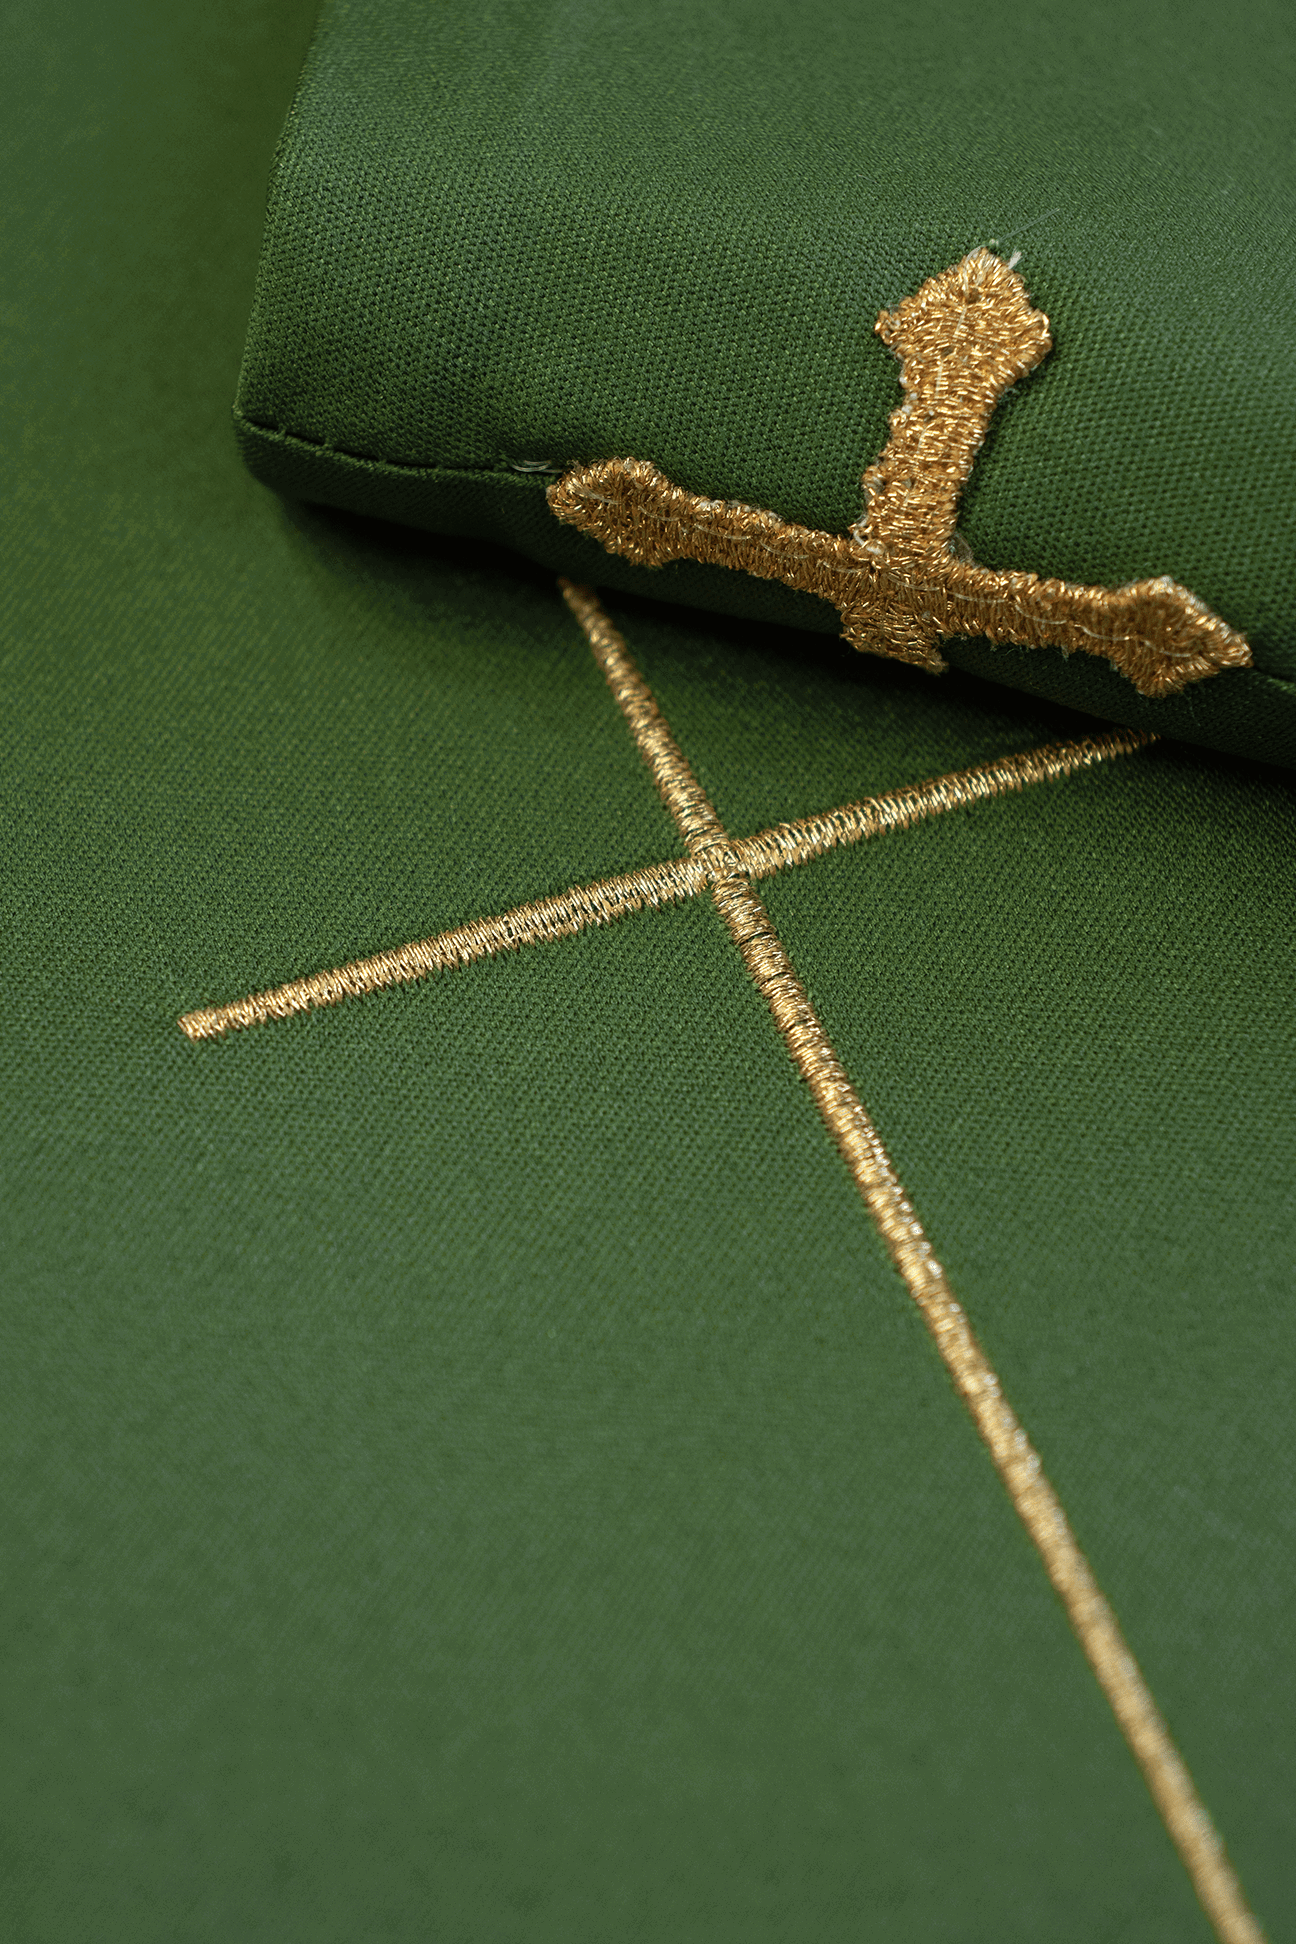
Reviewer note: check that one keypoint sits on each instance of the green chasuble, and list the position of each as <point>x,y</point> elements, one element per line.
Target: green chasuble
<point>473,1468</point>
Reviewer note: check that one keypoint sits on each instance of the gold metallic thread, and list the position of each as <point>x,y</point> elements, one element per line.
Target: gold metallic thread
<point>654,885</point>
<point>1015,1459</point>
<point>902,578</point>
<point>527,924</point>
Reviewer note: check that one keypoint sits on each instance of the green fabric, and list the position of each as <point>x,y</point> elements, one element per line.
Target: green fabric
<point>510,234</point>
<point>470,1471</point>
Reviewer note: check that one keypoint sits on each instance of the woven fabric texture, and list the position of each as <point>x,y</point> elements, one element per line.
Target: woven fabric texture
<point>513,235</point>
<point>470,1470</point>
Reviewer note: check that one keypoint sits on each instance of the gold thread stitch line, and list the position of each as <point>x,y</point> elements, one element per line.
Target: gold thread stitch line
<point>847,1120</point>
<point>808,837</point>
<point>560,916</point>
<point>900,578</point>
<point>653,885</point>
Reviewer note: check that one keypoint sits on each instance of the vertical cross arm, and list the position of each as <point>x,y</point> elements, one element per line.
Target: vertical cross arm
<point>963,340</point>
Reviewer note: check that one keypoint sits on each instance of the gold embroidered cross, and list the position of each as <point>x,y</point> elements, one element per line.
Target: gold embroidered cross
<point>903,577</point>
<point>726,868</point>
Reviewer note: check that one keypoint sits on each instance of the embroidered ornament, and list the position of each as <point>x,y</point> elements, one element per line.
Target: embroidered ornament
<point>903,578</point>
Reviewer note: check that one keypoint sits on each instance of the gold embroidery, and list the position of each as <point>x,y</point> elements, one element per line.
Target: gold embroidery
<point>848,1122</point>
<point>562,916</point>
<point>654,885</point>
<point>725,867</point>
<point>902,578</point>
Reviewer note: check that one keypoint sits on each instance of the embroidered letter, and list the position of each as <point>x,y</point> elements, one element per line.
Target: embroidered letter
<point>902,577</point>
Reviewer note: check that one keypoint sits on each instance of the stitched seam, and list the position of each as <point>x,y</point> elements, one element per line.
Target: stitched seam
<point>1015,1459</point>
<point>654,885</point>
<point>510,473</point>
<point>241,418</point>
<point>324,446</point>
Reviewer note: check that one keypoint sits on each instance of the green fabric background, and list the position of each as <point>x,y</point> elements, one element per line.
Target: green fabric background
<point>507,233</point>
<point>470,1471</point>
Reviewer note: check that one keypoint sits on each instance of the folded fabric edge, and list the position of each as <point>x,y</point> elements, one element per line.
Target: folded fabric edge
<point>1243,713</point>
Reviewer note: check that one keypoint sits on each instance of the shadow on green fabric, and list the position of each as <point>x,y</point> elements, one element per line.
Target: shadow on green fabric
<point>470,1468</point>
